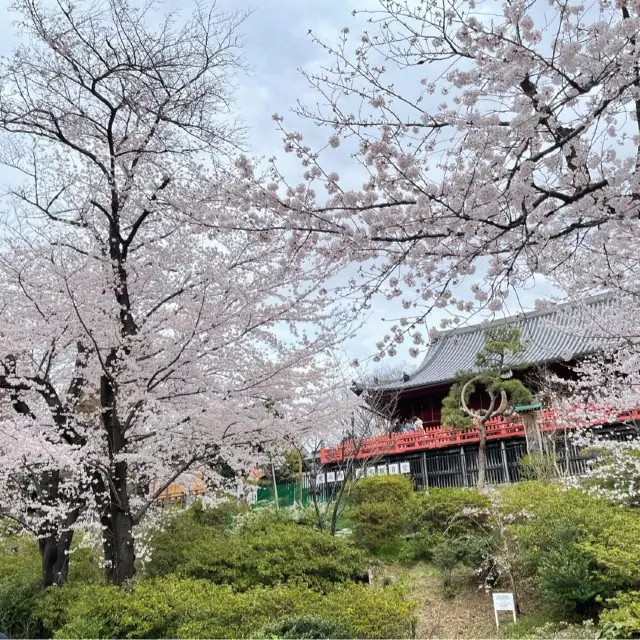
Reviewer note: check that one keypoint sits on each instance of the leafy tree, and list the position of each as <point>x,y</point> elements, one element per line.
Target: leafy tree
<point>495,380</point>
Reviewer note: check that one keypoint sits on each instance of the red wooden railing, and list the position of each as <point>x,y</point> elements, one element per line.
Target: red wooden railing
<point>439,437</point>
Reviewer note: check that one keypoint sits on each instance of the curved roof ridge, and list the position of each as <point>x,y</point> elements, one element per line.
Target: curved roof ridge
<point>523,315</point>
<point>454,349</point>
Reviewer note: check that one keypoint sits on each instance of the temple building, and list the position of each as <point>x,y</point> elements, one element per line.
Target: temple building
<point>437,455</point>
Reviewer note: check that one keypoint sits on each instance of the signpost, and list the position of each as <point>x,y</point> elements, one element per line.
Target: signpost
<point>503,602</point>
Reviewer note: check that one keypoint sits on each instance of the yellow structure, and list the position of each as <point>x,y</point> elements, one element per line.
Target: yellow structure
<point>178,492</point>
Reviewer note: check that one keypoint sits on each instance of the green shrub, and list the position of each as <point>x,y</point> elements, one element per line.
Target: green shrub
<point>535,628</point>
<point>284,552</point>
<point>573,547</point>
<point>378,524</point>
<point>380,510</point>
<point>433,518</point>
<point>20,587</point>
<point>538,466</point>
<point>84,565</point>
<point>83,611</point>
<point>173,608</point>
<point>622,620</point>
<point>436,510</point>
<point>222,515</point>
<point>185,529</point>
<point>467,550</point>
<point>395,489</point>
<point>304,627</point>
<point>567,577</point>
<point>263,518</point>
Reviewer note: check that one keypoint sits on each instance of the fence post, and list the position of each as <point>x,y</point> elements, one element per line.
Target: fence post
<point>423,464</point>
<point>463,464</point>
<point>532,432</point>
<point>505,463</point>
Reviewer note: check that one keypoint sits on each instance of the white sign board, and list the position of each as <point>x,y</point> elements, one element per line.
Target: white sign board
<point>371,471</point>
<point>393,468</point>
<point>382,470</point>
<point>503,602</point>
<point>320,478</point>
<point>331,476</point>
<point>405,467</point>
<point>359,473</point>
<point>340,476</point>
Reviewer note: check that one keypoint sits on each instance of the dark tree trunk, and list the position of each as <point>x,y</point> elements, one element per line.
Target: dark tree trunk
<point>54,553</point>
<point>118,545</point>
<point>116,516</point>
<point>482,456</point>
<point>334,519</point>
<point>54,538</point>
<point>117,526</point>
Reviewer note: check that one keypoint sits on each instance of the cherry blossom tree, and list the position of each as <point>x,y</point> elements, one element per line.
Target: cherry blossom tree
<point>496,142</point>
<point>358,418</point>
<point>604,388</point>
<point>144,334</point>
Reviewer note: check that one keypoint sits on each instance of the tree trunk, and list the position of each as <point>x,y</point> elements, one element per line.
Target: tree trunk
<point>482,455</point>
<point>275,485</point>
<point>54,538</point>
<point>334,517</point>
<point>116,518</point>
<point>54,553</point>
<point>117,523</point>
<point>120,547</point>
<point>300,479</point>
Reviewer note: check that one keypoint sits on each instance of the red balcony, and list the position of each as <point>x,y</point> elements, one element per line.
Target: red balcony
<point>497,428</point>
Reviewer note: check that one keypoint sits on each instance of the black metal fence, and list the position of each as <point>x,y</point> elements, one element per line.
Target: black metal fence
<point>458,466</point>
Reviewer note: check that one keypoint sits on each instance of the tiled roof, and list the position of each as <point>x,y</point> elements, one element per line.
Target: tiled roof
<point>549,336</point>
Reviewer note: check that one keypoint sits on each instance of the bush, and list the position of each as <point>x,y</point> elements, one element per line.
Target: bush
<point>566,576</point>
<point>534,628</point>
<point>432,519</point>
<point>395,489</point>
<point>380,510</point>
<point>378,524</point>
<point>83,611</point>
<point>304,627</point>
<point>84,565</point>
<point>173,608</point>
<point>468,550</point>
<point>573,547</point>
<point>284,552</point>
<point>20,587</point>
<point>538,466</point>
<point>623,620</point>
<point>435,510</point>
<point>189,527</point>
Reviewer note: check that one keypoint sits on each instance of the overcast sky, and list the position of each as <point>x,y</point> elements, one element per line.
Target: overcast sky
<point>277,45</point>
